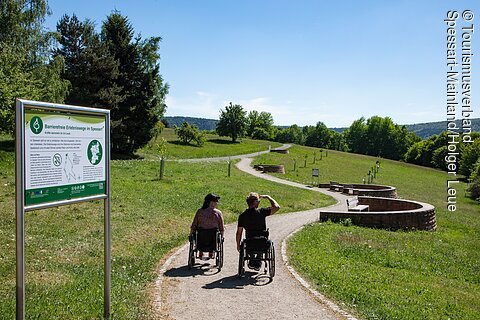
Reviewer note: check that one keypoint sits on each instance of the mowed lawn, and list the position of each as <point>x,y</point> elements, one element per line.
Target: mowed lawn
<point>215,146</point>
<point>150,217</point>
<point>381,274</point>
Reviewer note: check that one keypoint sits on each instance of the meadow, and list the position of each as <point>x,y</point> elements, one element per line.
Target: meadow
<point>215,146</point>
<point>150,217</point>
<point>380,274</point>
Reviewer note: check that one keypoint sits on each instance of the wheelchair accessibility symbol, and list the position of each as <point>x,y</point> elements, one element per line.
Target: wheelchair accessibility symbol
<point>57,159</point>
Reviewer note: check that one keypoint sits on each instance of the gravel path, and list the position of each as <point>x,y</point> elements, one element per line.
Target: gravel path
<point>203,292</point>
<point>242,156</point>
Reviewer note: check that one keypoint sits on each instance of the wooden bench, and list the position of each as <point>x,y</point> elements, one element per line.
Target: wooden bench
<point>352,205</point>
<point>335,186</point>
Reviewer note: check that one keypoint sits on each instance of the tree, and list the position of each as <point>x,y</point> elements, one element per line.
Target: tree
<point>232,122</point>
<point>292,134</point>
<point>260,125</point>
<point>355,136</point>
<point>142,88</point>
<point>474,187</point>
<point>337,141</point>
<point>26,70</point>
<point>470,156</point>
<point>90,68</point>
<point>252,119</point>
<point>318,136</point>
<point>186,133</point>
<point>379,137</point>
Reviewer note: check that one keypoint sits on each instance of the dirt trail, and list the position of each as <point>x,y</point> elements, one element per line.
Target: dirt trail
<point>203,292</point>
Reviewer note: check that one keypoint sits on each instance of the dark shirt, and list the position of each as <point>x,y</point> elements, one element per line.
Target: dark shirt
<point>254,219</point>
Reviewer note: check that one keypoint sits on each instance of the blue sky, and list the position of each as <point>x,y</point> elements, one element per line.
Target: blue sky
<point>302,61</point>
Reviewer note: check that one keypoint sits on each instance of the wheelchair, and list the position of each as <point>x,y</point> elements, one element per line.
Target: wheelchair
<point>206,240</point>
<point>257,247</point>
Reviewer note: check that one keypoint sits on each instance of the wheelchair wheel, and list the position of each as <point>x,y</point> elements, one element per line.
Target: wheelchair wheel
<point>271,261</point>
<point>241,260</point>
<point>191,255</point>
<point>219,253</point>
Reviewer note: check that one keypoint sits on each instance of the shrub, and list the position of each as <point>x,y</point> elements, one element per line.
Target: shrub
<point>186,133</point>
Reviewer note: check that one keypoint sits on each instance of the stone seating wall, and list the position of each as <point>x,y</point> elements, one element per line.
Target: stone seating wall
<point>387,213</point>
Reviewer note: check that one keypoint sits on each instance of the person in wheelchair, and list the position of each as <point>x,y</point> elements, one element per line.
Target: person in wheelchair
<point>253,221</point>
<point>208,219</point>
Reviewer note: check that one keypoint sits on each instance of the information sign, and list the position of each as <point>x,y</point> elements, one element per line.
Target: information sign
<point>64,156</point>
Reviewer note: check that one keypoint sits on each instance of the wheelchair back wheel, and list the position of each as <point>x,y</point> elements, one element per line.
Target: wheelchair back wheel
<point>219,253</point>
<point>241,260</point>
<point>191,255</point>
<point>271,261</point>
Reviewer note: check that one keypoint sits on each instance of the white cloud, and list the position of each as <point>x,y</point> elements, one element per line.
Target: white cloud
<point>201,105</point>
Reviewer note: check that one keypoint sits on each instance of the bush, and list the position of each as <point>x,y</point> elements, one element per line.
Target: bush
<point>474,187</point>
<point>186,133</point>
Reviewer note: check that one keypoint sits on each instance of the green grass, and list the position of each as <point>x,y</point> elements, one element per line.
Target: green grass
<point>215,146</point>
<point>333,166</point>
<point>64,245</point>
<point>382,274</point>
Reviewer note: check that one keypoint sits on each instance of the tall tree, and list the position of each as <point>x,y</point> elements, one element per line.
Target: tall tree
<point>260,125</point>
<point>232,122</point>
<point>355,136</point>
<point>318,136</point>
<point>142,87</point>
<point>252,120</point>
<point>89,66</point>
<point>26,70</point>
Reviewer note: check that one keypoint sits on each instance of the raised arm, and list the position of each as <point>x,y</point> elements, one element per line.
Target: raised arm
<point>274,204</point>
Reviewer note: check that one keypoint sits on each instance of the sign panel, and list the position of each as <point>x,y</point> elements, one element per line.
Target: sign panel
<point>64,155</point>
<point>315,172</point>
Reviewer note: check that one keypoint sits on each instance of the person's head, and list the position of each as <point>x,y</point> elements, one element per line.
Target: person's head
<point>253,200</point>
<point>211,200</point>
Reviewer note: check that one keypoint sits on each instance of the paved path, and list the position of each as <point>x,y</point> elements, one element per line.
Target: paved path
<point>203,292</point>
<point>242,156</point>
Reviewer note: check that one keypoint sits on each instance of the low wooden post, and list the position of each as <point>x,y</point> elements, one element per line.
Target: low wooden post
<point>294,165</point>
<point>229,167</point>
<point>306,156</point>
<point>162,167</point>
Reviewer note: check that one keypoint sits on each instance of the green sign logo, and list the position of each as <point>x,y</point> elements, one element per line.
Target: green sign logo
<point>36,125</point>
<point>94,152</point>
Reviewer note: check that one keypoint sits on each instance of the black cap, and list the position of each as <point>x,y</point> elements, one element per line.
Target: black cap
<point>212,197</point>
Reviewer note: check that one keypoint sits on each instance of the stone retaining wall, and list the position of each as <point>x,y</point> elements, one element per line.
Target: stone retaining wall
<point>270,168</point>
<point>284,151</point>
<point>371,190</point>
<point>387,213</point>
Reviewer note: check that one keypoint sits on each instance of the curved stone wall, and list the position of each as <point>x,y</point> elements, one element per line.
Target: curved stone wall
<point>284,151</point>
<point>371,190</point>
<point>270,168</point>
<point>387,213</point>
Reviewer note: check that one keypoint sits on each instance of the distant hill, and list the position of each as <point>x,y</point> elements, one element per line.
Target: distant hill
<point>201,123</point>
<point>423,130</point>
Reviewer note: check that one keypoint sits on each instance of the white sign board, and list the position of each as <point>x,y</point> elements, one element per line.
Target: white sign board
<point>315,172</point>
<point>64,156</point>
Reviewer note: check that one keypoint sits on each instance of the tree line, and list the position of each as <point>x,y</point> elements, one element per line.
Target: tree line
<point>114,69</point>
